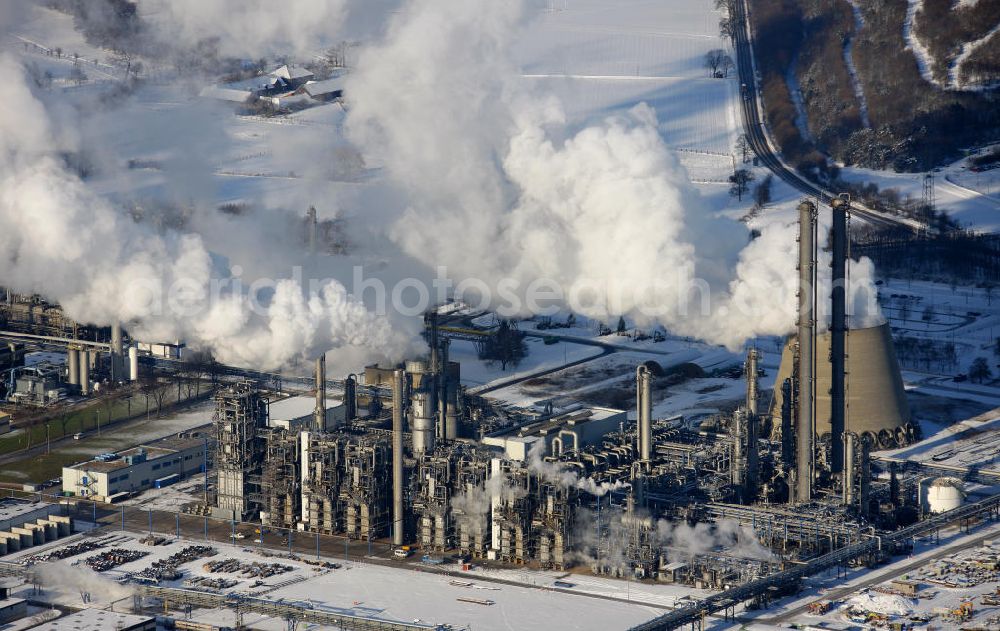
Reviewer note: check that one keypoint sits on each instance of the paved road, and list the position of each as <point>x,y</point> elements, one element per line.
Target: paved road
<point>754,126</point>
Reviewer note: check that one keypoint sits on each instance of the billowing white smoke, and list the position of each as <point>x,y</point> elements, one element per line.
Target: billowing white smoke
<point>60,239</point>
<point>679,541</point>
<point>562,476</point>
<point>70,581</point>
<point>248,28</point>
<point>500,188</point>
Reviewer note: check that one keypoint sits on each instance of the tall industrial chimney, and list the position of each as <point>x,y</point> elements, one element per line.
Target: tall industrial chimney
<point>644,412</point>
<point>397,458</point>
<point>838,332</point>
<point>807,291</point>
<point>319,415</point>
<point>752,423</point>
<point>312,225</point>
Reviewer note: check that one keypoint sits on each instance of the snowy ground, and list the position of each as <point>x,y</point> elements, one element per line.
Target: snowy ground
<point>386,593</point>
<point>945,579</point>
<point>144,431</point>
<point>973,199</point>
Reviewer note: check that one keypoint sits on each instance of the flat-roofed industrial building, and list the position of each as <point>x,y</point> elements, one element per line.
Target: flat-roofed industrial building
<point>133,470</point>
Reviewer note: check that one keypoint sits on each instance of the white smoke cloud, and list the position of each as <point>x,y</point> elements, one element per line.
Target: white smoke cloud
<point>70,581</point>
<point>561,475</point>
<point>501,189</point>
<point>248,28</point>
<point>60,239</point>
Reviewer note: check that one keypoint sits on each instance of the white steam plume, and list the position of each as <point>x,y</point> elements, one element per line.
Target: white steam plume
<point>248,28</point>
<point>501,189</point>
<point>559,474</point>
<point>60,239</point>
<point>69,581</point>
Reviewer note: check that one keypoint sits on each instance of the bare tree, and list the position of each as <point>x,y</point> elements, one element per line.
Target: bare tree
<point>713,61</point>
<point>726,65</point>
<point>762,192</point>
<point>740,181</point>
<point>743,146</point>
<point>153,388</point>
<point>726,27</point>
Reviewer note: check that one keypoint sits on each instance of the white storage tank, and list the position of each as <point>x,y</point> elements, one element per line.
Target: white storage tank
<point>944,494</point>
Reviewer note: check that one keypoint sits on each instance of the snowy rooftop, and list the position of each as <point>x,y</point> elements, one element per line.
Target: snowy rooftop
<point>98,620</point>
<point>297,407</point>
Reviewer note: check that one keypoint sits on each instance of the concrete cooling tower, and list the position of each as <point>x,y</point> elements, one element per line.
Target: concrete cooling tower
<point>876,401</point>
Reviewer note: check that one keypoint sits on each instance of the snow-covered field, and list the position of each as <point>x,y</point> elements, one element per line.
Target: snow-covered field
<point>386,593</point>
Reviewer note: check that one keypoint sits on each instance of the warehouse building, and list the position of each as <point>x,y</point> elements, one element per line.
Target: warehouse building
<point>109,477</point>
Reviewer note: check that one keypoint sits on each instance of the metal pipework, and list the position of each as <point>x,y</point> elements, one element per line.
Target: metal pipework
<point>838,333</point>
<point>397,458</point>
<point>738,466</point>
<point>805,422</point>
<point>644,411</point>
<point>319,415</point>
<point>848,478</point>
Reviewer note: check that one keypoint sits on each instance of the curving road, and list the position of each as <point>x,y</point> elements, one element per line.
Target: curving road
<point>753,125</point>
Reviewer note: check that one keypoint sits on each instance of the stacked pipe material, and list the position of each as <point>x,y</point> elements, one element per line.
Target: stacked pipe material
<point>838,329</point>
<point>397,458</point>
<point>806,396</point>
<point>73,366</point>
<point>319,415</point>
<point>644,412</point>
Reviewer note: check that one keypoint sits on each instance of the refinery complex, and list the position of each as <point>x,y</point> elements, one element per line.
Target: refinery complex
<point>407,461</point>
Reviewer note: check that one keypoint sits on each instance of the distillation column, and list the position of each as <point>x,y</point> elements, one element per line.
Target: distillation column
<point>319,414</point>
<point>752,423</point>
<point>397,458</point>
<point>644,412</point>
<point>805,423</point>
<point>838,331</point>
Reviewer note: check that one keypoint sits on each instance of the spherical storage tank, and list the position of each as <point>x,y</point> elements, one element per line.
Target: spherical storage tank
<point>944,494</point>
